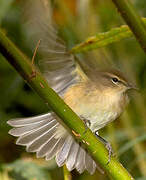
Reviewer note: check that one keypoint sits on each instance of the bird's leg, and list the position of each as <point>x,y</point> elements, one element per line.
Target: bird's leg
<point>86,122</point>
<point>107,145</point>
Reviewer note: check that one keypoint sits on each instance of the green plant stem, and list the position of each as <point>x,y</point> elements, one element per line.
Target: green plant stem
<point>103,39</point>
<point>132,18</point>
<point>67,174</point>
<point>67,117</point>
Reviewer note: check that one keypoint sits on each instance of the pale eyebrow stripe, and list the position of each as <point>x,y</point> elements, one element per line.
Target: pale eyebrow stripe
<point>109,75</point>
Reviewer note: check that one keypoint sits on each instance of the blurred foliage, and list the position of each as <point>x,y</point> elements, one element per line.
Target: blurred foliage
<point>77,21</point>
<point>21,170</point>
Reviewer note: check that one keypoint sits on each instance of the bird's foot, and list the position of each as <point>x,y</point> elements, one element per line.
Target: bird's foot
<point>107,145</point>
<point>87,123</point>
<point>110,151</point>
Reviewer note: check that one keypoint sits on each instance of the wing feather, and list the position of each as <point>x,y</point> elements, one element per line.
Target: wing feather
<point>56,63</point>
<point>43,134</point>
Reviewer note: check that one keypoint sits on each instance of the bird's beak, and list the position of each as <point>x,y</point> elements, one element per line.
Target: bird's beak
<point>133,86</point>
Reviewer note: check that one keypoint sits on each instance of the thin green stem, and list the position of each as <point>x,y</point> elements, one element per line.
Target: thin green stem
<point>67,174</point>
<point>105,38</point>
<point>67,117</point>
<point>132,18</point>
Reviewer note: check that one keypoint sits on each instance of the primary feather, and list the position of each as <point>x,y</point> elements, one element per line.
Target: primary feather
<point>57,65</point>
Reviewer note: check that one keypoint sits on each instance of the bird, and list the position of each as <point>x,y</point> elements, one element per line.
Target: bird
<point>97,96</point>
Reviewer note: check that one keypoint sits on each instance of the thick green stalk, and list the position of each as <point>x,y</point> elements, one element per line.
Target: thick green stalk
<point>67,117</point>
<point>132,18</point>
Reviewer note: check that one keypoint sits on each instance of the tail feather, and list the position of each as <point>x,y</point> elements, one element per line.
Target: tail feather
<point>71,159</point>
<point>45,136</point>
<point>41,140</point>
<point>55,149</point>
<point>27,129</point>
<point>63,153</point>
<point>46,147</point>
<point>36,134</point>
<point>80,165</point>
<point>89,164</point>
<point>19,122</point>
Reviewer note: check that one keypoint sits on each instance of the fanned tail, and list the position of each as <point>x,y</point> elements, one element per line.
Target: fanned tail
<point>41,134</point>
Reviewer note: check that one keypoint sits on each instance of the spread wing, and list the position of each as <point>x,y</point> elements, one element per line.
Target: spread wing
<point>43,134</point>
<point>57,65</point>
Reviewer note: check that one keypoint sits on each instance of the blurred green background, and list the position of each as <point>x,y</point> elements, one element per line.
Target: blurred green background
<point>77,20</point>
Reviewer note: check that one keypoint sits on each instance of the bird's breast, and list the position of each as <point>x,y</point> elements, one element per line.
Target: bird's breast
<point>97,107</point>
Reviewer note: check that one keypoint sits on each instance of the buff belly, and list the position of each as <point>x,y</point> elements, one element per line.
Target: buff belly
<point>99,110</point>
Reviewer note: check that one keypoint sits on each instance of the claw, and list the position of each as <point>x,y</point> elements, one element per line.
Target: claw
<point>87,123</point>
<point>107,145</point>
<point>110,151</point>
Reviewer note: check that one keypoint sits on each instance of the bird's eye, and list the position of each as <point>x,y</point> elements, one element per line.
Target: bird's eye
<point>115,80</point>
